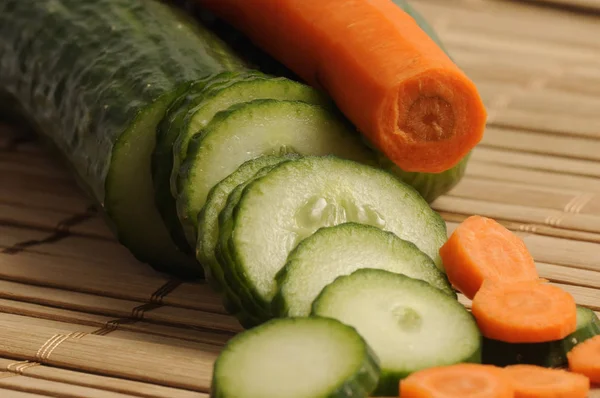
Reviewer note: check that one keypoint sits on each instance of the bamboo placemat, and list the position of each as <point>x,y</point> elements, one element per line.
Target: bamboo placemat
<point>79,317</point>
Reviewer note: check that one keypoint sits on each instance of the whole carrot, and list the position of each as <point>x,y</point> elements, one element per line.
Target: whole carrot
<point>383,71</point>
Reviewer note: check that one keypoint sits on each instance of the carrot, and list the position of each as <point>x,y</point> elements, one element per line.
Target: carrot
<point>585,359</point>
<point>524,312</point>
<point>532,381</point>
<point>457,381</point>
<point>383,71</point>
<point>481,249</point>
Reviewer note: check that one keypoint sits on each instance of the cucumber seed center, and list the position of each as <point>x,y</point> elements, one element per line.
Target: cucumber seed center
<point>407,318</point>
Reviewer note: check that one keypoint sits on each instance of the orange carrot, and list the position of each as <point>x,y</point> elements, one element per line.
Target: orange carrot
<point>585,359</point>
<point>524,312</point>
<point>537,382</point>
<point>389,78</point>
<point>457,381</point>
<point>481,249</point>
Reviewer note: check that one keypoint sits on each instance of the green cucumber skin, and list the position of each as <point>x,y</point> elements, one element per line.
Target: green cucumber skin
<point>63,61</point>
<point>551,354</point>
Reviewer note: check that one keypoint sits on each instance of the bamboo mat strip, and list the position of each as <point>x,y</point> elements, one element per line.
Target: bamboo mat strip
<point>519,160</point>
<point>533,177</point>
<point>570,147</point>
<point>30,339</point>
<point>57,389</point>
<point>116,308</point>
<point>130,283</point>
<point>505,192</point>
<point>586,4</point>
<point>559,224</point>
<point>18,394</point>
<point>510,19</point>
<point>132,388</point>
<point>104,325</point>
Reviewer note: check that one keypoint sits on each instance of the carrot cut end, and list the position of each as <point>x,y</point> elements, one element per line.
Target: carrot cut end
<point>461,380</point>
<point>439,119</point>
<point>482,249</point>
<point>585,359</point>
<point>524,312</point>
<point>536,381</point>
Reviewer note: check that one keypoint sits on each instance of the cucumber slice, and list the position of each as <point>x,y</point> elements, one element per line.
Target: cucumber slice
<point>552,354</point>
<point>296,358</point>
<point>227,264</point>
<point>208,219</point>
<point>162,160</point>
<point>297,198</point>
<point>167,132</point>
<point>194,112</point>
<point>252,129</point>
<point>219,99</point>
<point>340,250</point>
<point>409,324</point>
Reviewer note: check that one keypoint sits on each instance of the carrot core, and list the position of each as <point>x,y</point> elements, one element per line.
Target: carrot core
<point>429,119</point>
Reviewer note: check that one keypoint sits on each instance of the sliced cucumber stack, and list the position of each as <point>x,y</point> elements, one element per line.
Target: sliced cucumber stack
<point>251,129</point>
<point>208,219</point>
<point>340,250</point>
<point>296,198</point>
<point>162,161</point>
<point>232,276</point>
<point>550,354</point>
<point>254,86</point>
<point>165,164</point>
<point>296,358</point>
<point>409,324</point>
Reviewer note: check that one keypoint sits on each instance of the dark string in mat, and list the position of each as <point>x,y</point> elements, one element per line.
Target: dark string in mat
<point>61,231</point>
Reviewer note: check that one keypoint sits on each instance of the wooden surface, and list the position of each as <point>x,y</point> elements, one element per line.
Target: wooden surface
<point>80,317</point>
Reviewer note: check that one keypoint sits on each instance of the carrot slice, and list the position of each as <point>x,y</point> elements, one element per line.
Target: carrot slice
<point>585,359</point>
<point>454,381</point>
<point>383,71</point>
<point>481,249</point>
<point>524,312</point>
<point>532,381</point>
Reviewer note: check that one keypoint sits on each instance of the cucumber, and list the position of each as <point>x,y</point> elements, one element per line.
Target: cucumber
<point>409,324</point>
<point>552,354</point>
<point>98,83</point>
<point>340,250</point>
<point>296,358</point>
<point>296,198</point>
<point>252,129</point>
<point>161,158</point>
<point>167,132</point>
<point>232,278</point>
<point>208,219</point>
<point>200,115</point>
